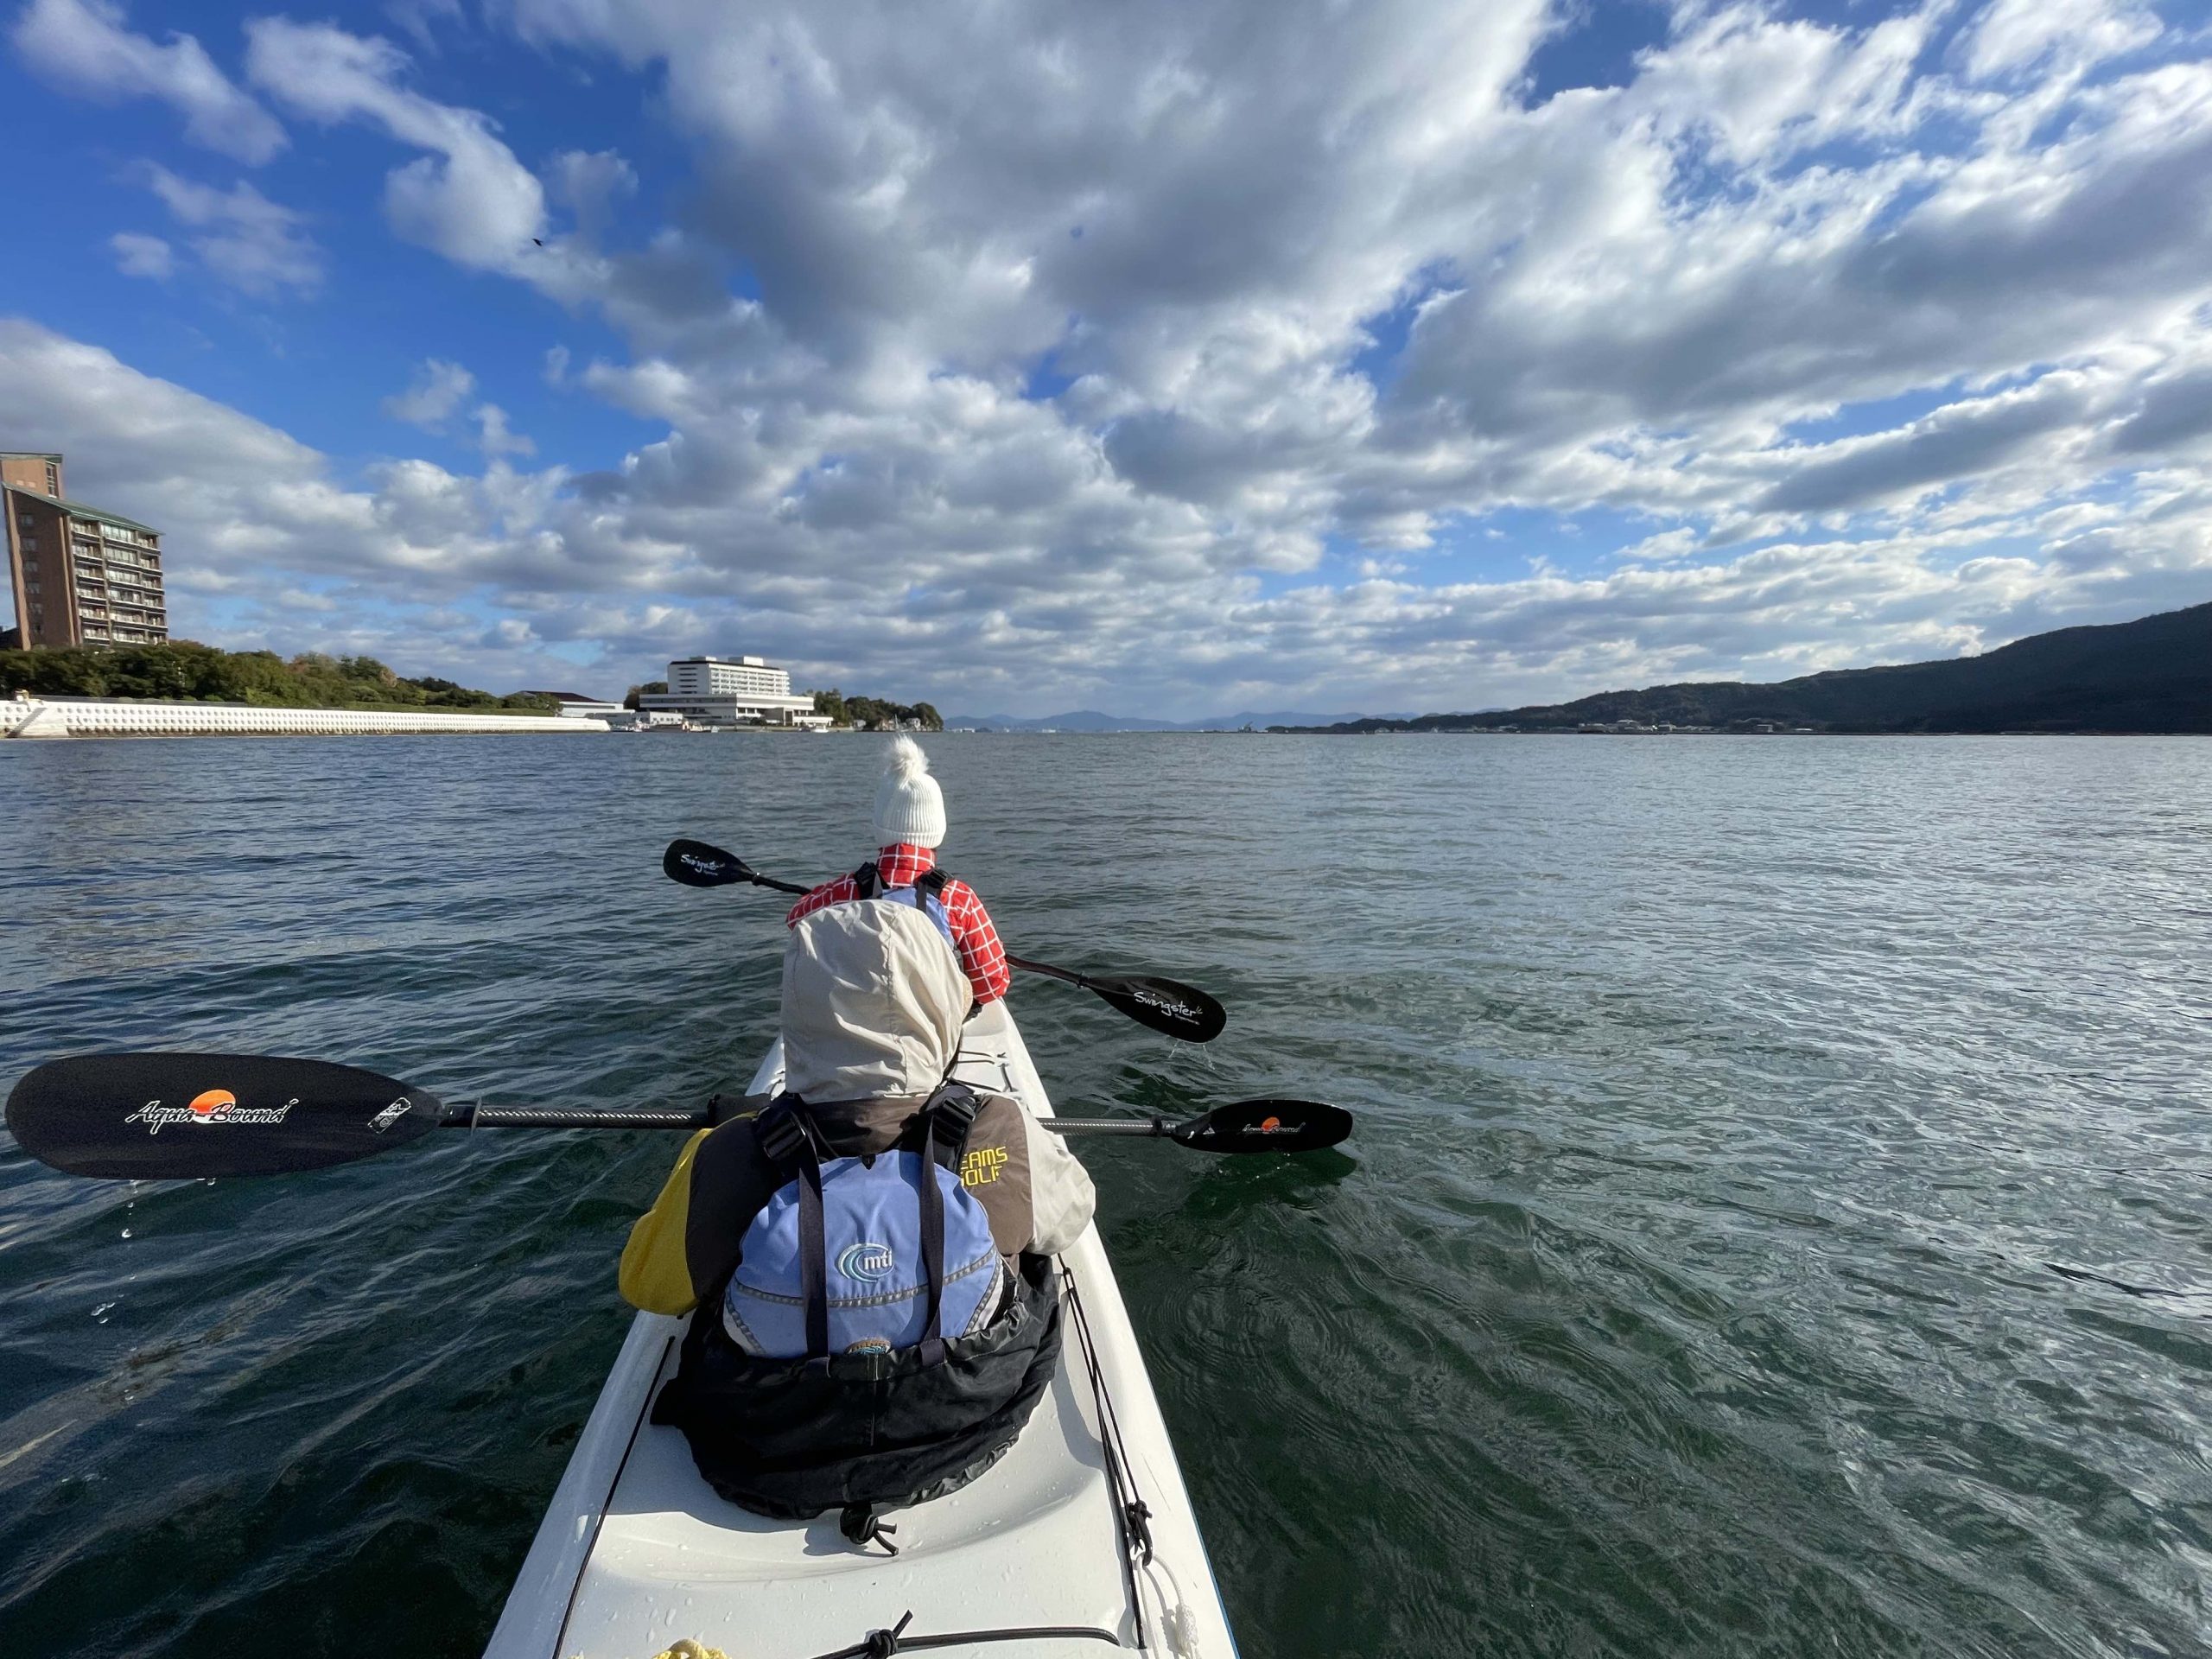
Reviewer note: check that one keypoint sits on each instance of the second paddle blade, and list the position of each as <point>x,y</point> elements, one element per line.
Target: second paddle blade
<point>1167,1004</point>
<point>696,864</point>
<point>1266,1126</point>
<point>185,1116</point>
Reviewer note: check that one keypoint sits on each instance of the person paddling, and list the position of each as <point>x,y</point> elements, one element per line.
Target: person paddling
<point>909,822</point>
<point>866,1257</point>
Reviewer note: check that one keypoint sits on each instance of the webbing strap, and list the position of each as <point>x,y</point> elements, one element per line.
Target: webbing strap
<point>813,1252</point>
<point>786,1138</point>
<point>949,1115</point>
<point>932,1243</point>
<point>867,881</point>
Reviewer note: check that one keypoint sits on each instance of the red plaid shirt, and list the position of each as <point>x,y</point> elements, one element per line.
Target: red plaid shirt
<point>900,865</point>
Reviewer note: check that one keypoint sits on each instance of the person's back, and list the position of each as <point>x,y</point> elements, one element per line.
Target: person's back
<point>870,1329</point>
<point>909,825</point>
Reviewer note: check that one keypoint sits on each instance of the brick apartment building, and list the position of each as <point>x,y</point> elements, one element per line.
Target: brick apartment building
<point>80,575</point>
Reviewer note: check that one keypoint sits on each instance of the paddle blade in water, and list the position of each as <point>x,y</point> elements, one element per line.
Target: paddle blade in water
<point>1166,1005</point>
<point>1266,1126</point>
<point>181,1116</point>
<point>697,865</point>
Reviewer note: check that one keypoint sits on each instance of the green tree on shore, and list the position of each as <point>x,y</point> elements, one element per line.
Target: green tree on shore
<point>874,715</point>
<point>183,670</point>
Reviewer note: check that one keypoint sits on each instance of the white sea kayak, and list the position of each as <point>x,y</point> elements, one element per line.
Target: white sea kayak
<point>637,1553</point>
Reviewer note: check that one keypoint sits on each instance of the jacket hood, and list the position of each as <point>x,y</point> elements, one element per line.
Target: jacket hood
<point>874,999</point>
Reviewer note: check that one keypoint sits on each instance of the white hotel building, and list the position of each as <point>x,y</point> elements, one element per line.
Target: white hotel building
<point>732,691</point>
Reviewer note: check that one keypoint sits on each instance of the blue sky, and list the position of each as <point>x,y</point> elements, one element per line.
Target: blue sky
<point>318,362</point>
<point>1162,360</point>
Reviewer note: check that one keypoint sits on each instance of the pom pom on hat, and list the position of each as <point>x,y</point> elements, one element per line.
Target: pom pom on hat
<point>909,806</point>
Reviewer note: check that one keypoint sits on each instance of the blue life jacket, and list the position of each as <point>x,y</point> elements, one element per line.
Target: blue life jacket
<point>927,895</point>
<point>861,1255</point>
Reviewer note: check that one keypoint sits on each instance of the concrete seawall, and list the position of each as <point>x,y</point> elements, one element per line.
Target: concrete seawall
<point>114,717</point>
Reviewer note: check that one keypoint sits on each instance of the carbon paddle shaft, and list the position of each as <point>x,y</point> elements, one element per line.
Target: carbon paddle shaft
<point>554,1117</point>
<point>1102,1126</point>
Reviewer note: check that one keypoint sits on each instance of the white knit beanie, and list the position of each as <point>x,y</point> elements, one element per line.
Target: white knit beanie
<point>909,806</point>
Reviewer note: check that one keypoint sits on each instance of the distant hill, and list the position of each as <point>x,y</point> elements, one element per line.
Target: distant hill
<point>2153,674</point>
<point>1090,719</point>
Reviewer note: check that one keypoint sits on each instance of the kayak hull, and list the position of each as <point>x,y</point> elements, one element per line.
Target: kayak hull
<point>637,1553</point>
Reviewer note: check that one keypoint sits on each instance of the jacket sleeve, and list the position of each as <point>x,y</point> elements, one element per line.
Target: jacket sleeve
<point>1060,1194</point>
<point>981,953</point>
<point>655,1275</point>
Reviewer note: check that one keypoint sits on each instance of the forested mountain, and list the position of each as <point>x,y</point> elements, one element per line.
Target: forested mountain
<point>2153,674</point>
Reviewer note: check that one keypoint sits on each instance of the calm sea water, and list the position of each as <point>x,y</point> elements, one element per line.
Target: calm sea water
<point>1778,1223</point>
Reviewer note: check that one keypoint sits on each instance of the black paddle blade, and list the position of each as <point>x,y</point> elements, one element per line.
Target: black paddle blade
<point>697,865</point>
<point>155,1117</point>
<point>1266,1126</point>
<point>1166,1005</point>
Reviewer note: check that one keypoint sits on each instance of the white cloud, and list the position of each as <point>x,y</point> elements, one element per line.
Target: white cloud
<point>433,395</point>
<point>251,516</point>
<point>84,45</point>
<point>493,438</point>
<point>251,513</point>
<point>244,239</point>
<point>590,182</point>
<point>1619,299</point>
<point>1179,358</point>
<point>137,255</point>
<point>416,17</point>
<point>2012,35</point>
<point>468,199</point>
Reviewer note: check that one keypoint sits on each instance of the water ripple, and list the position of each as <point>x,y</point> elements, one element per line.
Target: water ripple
<point>1776,1223</point>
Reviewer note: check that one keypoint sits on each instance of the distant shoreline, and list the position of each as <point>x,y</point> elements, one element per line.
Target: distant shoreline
<point>25,719</point>
<point>1493,731</point>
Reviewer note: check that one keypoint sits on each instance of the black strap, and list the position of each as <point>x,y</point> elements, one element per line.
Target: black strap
<point>887,1644</point>
<point>813,1253</point>
<point>946,1120</point>
<point>868,881</point>
<point>932,1343</point>
<point>788,1140</point>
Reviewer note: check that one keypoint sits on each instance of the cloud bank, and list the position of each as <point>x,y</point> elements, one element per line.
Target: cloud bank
<point>1175,360</point>
<point>84,45</point>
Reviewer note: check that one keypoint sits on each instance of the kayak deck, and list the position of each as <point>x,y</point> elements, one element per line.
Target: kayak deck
<point>637,1552</point>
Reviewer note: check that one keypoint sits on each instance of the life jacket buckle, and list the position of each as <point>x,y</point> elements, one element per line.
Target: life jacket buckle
<point>779,1132</point>
<point>956,1106</point>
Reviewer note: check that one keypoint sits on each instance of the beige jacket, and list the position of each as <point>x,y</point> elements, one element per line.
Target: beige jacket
<point>872,1005</point>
